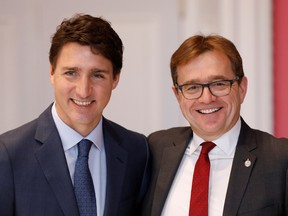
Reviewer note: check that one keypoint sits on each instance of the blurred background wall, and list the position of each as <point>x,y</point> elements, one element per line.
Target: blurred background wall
<point>151,31</point>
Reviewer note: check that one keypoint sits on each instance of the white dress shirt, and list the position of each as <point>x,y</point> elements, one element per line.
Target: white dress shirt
<point>221,158</point>
<point>97,156</point>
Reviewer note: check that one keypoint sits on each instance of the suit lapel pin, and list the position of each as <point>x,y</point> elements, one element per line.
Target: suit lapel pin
<point>247,163</point>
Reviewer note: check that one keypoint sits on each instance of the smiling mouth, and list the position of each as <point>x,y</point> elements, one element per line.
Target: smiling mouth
<point>82,103</point>
<point>208,111</point>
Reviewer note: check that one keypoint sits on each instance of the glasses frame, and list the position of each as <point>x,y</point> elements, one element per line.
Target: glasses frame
<point>180,87</point>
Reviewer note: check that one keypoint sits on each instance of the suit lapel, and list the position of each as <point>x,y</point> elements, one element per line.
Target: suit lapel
<point>116,159</point>
<point>51,158</point>
<point>172,155</point>
<point>242,167</point>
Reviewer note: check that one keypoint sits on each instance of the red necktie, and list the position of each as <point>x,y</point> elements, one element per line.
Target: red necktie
<point>200,185</point>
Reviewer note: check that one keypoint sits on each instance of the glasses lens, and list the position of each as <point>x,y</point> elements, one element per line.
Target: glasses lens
<point>191,91</point>
<point>220,88</point>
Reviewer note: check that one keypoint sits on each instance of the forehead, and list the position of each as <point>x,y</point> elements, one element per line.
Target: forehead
<point>76,55</point>
<point>206,67</point>
<point>73,48</point>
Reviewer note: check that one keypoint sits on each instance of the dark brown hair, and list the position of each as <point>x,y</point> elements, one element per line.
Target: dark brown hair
<point>91,31</point>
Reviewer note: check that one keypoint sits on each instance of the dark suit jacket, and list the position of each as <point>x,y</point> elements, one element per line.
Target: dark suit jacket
<point>35,180</point>
<point>260,189</point>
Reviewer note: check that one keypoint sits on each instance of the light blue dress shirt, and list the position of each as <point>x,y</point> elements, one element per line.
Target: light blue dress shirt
<point>97,156</point>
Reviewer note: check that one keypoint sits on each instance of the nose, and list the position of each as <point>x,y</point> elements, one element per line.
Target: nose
<point>83,88</point>
<point>207,96</point>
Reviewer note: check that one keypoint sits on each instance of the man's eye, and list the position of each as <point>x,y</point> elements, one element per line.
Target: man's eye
<point>221,83</point>
<point>98,75</point>
<point>193,87</point>
<point>70,73</point>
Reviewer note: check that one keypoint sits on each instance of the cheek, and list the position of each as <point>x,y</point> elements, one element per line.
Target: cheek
<point>102,92</point>
<point>186,106</point>
<point>234,105</point>
<point>62,88</point>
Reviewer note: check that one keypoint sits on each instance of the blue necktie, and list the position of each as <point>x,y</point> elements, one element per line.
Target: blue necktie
<point>83,184</point>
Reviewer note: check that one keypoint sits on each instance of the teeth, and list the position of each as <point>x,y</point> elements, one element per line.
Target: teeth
<point>82,103</point>
<point>207,111</point>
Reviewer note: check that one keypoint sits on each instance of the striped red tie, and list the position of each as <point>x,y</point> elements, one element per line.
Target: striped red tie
<point>200,185</point>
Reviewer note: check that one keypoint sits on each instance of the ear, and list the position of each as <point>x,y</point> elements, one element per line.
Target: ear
<point>116,81</point>
<point>243,88</point>
<point>176,93</point>
<point>51,75</point>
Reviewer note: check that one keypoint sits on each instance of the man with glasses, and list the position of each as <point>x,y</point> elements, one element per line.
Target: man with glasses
<point>218,165</point>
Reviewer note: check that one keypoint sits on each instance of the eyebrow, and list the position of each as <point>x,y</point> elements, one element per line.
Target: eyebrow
<point>94,70</point>
<point>97,70</point>
<point>70,68</point>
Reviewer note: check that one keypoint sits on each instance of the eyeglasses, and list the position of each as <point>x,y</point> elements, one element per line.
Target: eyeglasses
<point>217,88</point>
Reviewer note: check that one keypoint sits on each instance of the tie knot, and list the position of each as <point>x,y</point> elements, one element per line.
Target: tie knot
<point>84,147</point>
<point>207,147</point>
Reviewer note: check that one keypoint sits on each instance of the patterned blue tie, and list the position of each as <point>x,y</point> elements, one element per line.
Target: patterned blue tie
<point>83,184</point>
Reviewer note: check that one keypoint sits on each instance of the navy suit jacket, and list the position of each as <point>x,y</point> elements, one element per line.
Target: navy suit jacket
<point>35,180</point>
<point>259,189</point>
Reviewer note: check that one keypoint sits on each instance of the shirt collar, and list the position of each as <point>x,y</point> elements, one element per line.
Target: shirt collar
<point>226,143</point>
<point>70,137</point>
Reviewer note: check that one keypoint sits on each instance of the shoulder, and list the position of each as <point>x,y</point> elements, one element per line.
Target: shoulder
<point>167,134</point>
<point>20,133</point>
<point>119,131</point>
<point>271,143</point>
<point>263,142</point>
<point>27,132</point>
<point>266,137</point>
<point>177,136</point>
<point>16,142</point>
<point>127,139</point>
<point>117,137</point>
<point>260,136</point>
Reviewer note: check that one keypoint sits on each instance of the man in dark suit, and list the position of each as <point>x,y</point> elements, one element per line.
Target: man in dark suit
<point>37,160</point>
<point>247,168</point>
